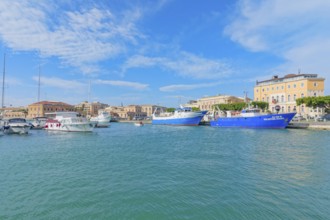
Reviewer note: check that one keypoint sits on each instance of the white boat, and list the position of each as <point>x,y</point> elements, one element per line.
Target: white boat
<point>140,124</point>
<point>181,116</point>
<point>17,126</point>
<point>69,121</point>
<point>38,122</point>
<point>2,128</point>
<point>102,120</point>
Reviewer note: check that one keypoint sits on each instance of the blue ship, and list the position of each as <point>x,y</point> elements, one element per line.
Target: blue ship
<point>251,118</point>
<point>181,116</point>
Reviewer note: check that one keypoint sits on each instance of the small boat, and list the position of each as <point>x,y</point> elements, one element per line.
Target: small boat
<point>102,120</point>
<point>38,122</point>
<point>2,127</point>
<point>252,118</point>
<point>17,126</point>
<point>69,121</point>
<point>140,124</point>
<point>181,116</point>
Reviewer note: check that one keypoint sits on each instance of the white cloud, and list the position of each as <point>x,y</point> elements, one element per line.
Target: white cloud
<point>61,83</point>
<point>180,87</point>
<point>133,85</point>
<point>79,38</point>
<point>297,31</point>
<point>185,64</point>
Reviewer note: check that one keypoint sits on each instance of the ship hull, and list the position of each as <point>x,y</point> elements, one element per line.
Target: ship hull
<point>185,119</point>
<point>276,121</point>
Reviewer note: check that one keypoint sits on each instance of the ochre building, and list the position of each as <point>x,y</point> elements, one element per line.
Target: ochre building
<point>39,109</point>
<point>284,91</point>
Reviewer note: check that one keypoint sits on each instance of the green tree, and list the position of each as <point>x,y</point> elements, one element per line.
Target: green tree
<point>195,109</point>
<point>170,109</point>
<point>231,107</point>
<point>314,102</point>
<point>263,105</point>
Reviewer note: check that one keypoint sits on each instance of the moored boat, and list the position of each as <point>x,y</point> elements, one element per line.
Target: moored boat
<point>139,124</point>
<point>38,122</point>
<point>102,120</point>
<point>252,118</point>
<point>181,116</point>
<point>17,126</point>
<point>69,121</point>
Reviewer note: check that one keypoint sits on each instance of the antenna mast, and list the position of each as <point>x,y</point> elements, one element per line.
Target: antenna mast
<point>3,81</point>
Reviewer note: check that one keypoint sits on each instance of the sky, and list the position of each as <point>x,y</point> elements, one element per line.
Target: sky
<point>163,52</point>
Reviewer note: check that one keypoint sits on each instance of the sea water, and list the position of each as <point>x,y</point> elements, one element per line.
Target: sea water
<point>166,172</point>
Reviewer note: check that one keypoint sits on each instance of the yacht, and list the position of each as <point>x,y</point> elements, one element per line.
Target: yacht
<point>68,121</point>
<point>102,120</point>
<point>17,126</point>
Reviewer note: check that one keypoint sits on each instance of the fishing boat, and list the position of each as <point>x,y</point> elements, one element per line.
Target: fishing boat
<point>17,126</point>
<point>102,120</point>
<point>252,118</point>
<point>181,116</point>
<point>69,121</point>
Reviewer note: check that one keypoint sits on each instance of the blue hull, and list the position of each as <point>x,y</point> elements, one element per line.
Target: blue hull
<point>262,121</point>
<point>193,121</point>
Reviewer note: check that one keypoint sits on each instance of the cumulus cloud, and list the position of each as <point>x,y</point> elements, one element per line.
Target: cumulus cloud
<point>133,85</point>
<point>78,38</point>
<point>185,64</point>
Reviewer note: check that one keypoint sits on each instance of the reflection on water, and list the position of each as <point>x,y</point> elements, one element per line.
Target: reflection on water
<point>166,172</point>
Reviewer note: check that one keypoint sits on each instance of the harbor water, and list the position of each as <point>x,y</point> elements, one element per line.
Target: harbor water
<point>166,172</point>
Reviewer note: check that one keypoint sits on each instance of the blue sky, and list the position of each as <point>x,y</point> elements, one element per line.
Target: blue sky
<point>162,52</point>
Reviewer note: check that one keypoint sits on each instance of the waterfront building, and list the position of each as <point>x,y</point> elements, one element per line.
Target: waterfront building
<point>283,91</point>
<point>39,109</point>
<point>90,109</point>
<point>207,103</point>
<point>150,109</point>
<point>134,111</point>
<point>14,112</point>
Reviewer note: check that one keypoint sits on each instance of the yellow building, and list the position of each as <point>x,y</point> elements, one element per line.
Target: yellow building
<point>39,109</point>
<point>284,91</point>
<point>90,109</point>
<point>207,103</point>
<point>13,112</point>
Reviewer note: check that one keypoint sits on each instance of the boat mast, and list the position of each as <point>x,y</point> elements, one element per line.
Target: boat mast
<point>38,114</point>
<point>3,81</point>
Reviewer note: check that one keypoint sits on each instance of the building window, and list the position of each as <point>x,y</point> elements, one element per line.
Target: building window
<point>289,98</point>
<point>294,86</point>
<point>314,94</point>
<point>272,88</point>
<point>263,90</point>
<point>277,98</point>
<point>257,90</point>
<point>315,84</point>
<point>294,97</point>
<point>282,98</point>
<point>276,87</point>
<point>282,108</point>
<point>288,86</point>
<point>289,109</point>
<point>302,84</point>
<point>267,99</point>
<point>302,108</point>
<point>282,87</point>
<point>302,95</point>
